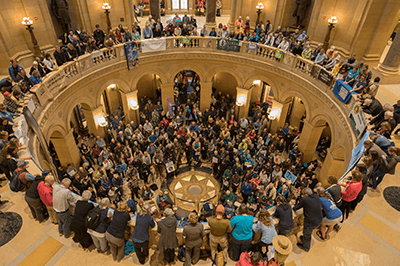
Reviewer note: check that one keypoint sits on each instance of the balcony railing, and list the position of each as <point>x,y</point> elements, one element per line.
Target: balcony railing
<point>58,80</point>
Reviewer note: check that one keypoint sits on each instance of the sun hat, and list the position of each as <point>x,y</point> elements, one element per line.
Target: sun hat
<point>282,245</point>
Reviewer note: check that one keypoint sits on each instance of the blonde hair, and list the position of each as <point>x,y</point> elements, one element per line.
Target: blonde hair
<point>123,207</point>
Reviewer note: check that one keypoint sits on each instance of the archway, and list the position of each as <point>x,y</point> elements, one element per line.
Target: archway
<point>224,83</point>
<point>296,112</point>
<point>148,87</point>
<point>111,100</point>
<point>186,87</point>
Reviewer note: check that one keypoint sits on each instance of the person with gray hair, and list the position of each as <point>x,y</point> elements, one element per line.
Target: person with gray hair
<point>140,236</point>
<point>63,199</point>
<point>194,234</point>
<point>168,241</point>
<point>78,226</point>
<point>99,234</point>
<point>312,211</point>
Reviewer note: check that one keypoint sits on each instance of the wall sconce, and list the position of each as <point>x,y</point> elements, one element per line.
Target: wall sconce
<point>259,7</point>
<point>106,7</point>
<point>241,100</point>
<point>133,104</point>
<point>332,21</point>
<point>275,112</point>
<point>28,23</point>
<point>101,120</point>
<point>112,86</point>
<point>257,82</point>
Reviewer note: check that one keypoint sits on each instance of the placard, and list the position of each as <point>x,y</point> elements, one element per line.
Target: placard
<point>228,45</point>
<point>291,177</point>
<point>325,76</point>
<point>252,46</point>
<point>358,119</point>
<point>55,81</point>
<point>340,90</point>
<point>315,71</point>
<point>120,168</point>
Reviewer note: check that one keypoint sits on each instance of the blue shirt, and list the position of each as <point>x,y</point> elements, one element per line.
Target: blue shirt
<point>8,116</point>
<point>268,233</point>
<point>332,212</point>
<point>242,227</point>
<point>35,80</point>
<point>247,189</point>
<point>141,233</point>
<point>13,71</point>
<point>147,33</point>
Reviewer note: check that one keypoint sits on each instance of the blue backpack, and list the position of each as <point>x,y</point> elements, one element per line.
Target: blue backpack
<point>182,253</point>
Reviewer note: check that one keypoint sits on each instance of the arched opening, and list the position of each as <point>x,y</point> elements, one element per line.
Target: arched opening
<point>149,87</point>
<point>186,87</point>
<point>224,83</point>
<point>78,120</point>
<point>324,142</point>
<point>296,112</point>
<point>111,100</point>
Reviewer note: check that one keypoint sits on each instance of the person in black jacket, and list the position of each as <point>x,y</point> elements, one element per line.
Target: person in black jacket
<point>372,107</point>
<point>312,210</point>
<point>32,198</point>
<point>60,56</point>
<point>284,213</point>
<point>99,36</point>
<point>78,221</point>
<point>99,234</point>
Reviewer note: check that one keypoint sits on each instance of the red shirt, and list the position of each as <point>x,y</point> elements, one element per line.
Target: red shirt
<point>351,191</point>
<point>46,194</point>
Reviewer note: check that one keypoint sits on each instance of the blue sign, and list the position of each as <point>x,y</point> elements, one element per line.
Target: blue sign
<point>341,91</point>
<point>252,46</point>
<point>356,154</point>
<point>290,176</point>
<point>120,168</point>
<point>131,54</point>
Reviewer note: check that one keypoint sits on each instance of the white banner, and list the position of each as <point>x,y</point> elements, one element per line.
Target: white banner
<point>153,45</point>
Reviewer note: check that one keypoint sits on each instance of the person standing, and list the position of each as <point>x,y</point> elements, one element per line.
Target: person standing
<point>140,236</point>
<point>267,227</point>
<point>168,240</point>
<point>115,232</point>
<point>99,234</point>
<point>242,232</point>
<point>194,234</point>
<point>285,215</point>
<point>312,210</point>
<point>350,192</point>
<point>62,201</point>
<point>33,199</point>
<point>45,190</point>
<point>83,207</point>
<point>219,228</point>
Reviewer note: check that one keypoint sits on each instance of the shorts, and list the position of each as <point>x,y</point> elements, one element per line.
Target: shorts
<point>327,221</point>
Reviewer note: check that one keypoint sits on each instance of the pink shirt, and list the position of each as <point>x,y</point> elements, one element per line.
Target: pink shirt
<point>351,191</point>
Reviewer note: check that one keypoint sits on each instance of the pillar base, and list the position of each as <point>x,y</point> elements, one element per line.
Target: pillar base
<point>388,75</point>
<point>210,25</point>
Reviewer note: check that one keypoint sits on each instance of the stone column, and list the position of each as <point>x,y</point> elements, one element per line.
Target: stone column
<point>130,114</point>
<point>309,140</point>
<point>66,149</point>
<point>332,166</point>
<point>283,116</point>
<point>232,17</point>
<point>167,95</point>
<point>392,61</point>
<point>91,124</point>
<point>205,95</point>
<point>210,16</point>
<point>242,111</point>
<point>155,9</point>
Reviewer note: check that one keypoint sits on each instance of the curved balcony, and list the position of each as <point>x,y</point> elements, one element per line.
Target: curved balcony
<point>84,80</point>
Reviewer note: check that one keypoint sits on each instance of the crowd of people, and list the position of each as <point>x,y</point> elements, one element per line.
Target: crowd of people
<point>119,172</point>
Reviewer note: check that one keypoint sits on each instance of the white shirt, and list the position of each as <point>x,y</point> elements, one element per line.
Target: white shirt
<point>62,198</point>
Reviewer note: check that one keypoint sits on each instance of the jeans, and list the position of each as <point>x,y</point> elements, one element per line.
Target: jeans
<point>377,178</point>
<point>142,251</point>
<point>307,231</point>
<point>284,232</point>
<point>64,223</point>
<point>100,243</point>
<point>239,246</point>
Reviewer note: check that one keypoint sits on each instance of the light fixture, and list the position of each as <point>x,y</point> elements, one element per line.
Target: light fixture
<point>26,21</point>
<point>112,86</point>
<point>259,7</point>
<point>275,112</point>
<point>332,21</point>
<point>241,99</point>
<point>106,6</point>
<point>100,120</point>
<point>257,82</point>
<point>133,104</point>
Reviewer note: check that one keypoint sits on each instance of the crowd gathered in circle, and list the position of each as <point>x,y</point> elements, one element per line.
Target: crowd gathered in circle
<point>120,171</point>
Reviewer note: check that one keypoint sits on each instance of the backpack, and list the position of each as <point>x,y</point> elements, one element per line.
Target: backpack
<point>16,185</point>
<point>92,220</point>
<point>182,253</point>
